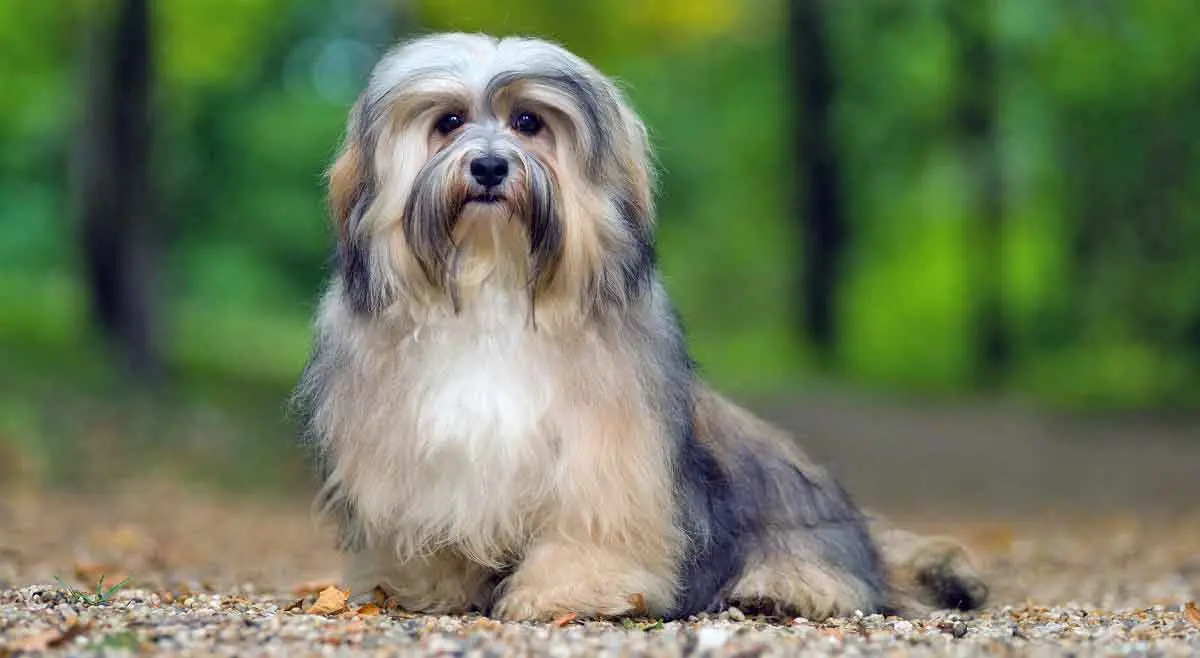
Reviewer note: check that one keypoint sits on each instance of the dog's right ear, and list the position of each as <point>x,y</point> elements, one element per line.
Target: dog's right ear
<point>347,187</point>
<point>351,187</point>
<point>351,181</point>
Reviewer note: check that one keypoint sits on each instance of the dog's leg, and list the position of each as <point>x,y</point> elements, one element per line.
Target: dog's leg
<point>927,572</point>
<point>441,583</point>
<point>610,544</point>
<point>791,578</point>
<point>563,575</point>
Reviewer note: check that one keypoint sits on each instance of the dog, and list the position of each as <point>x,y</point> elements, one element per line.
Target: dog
<point>500,402</point>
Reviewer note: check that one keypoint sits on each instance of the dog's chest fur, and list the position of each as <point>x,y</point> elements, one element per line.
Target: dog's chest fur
<point>455,440</point>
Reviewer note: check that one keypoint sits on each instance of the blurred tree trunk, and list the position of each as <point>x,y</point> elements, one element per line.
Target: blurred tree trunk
<point>114,185</point>
<point>817,173</point>
<point>976,118</point>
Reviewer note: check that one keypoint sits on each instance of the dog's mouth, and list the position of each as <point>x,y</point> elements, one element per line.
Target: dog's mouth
<point>486,198</point>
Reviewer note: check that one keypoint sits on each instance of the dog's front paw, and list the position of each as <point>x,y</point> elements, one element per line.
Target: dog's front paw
<point>531,604</point>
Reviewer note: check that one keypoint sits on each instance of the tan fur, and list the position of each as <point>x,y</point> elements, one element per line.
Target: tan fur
<point>344,177</point>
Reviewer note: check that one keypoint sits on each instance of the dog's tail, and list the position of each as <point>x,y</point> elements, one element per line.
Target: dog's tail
<point>927,573</point>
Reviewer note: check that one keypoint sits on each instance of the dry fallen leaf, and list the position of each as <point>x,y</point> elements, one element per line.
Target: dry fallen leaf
<point>330,602</point>
<point>39,641</point>
<point>47,639</point>
<point>314,587</point>
<point>369,610</point>
<point>484,624</point>
<point>72,631</point>
<point>564,620</point>
<point>1191,613</point>
<point>380,597</point>
<point>639,605</point>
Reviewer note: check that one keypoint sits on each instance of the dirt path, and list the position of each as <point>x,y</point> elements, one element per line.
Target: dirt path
<point>1092,543</point>
<point>233,577</point>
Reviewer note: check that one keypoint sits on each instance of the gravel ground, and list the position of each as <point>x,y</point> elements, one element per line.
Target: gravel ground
<point>220,576</point>
<point>241,625</point>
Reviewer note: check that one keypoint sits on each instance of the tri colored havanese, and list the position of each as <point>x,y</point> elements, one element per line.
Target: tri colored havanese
<point>504,412</point>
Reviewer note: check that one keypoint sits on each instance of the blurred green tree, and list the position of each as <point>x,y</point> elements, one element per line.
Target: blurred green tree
<point>976,118</point>
<point>818,176</point>
<point>116,190</point>
<point>991,193</point>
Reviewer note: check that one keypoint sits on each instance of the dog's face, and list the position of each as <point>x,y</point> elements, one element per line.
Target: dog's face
<point>470,159</point>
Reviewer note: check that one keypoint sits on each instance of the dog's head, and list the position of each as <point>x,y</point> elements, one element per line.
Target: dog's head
<point>470,159</point>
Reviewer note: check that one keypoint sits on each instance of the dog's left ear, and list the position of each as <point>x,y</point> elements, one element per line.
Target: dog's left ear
<point>627,271</point>
<point>637,164</point>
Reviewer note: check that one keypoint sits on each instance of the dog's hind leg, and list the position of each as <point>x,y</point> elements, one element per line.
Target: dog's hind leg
<point>791,578</point>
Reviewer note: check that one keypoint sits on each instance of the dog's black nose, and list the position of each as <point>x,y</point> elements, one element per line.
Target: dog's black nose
<point>490,170</point>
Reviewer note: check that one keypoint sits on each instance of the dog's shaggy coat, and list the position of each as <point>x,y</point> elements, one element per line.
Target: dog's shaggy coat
<point>500,399</point>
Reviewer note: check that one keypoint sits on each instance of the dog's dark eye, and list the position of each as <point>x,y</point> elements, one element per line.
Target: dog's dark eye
<point>527,123</point>
<point>449,123</point>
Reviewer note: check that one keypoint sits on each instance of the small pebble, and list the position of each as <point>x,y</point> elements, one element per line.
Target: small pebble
<point>711,637</point>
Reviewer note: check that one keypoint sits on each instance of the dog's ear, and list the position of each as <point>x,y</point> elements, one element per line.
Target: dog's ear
<point>351,183</point>
<point>630,156</point>
<point>351,187</point>
<point>347,187</point>
<point>638,167</point>
<point>625,273</point>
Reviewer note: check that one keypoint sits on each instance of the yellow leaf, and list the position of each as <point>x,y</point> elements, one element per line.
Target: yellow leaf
<point>330,602</point>
<point>47,639</point>
<point>369,610</point>
<point>639,605</point>
<point>314,586</point>
<point>564,620</point>
<point>39,641</point>
<point>1191,613</point>
<point>380,597</point>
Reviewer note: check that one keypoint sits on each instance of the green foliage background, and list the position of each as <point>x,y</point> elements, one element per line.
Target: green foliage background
<point>1100,133</point>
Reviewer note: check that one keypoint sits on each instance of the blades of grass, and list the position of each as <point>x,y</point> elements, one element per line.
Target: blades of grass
<point>73,595</point>
<point>101,595</point>
<point>114,589</point>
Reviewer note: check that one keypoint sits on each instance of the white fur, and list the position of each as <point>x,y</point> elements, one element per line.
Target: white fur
<point>452,428</point>
<point>469,59</point>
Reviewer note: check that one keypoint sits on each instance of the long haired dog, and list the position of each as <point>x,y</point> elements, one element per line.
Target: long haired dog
<point>504,412</point>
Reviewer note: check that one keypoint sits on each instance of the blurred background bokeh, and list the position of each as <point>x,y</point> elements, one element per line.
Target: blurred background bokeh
<point>874,215</point>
